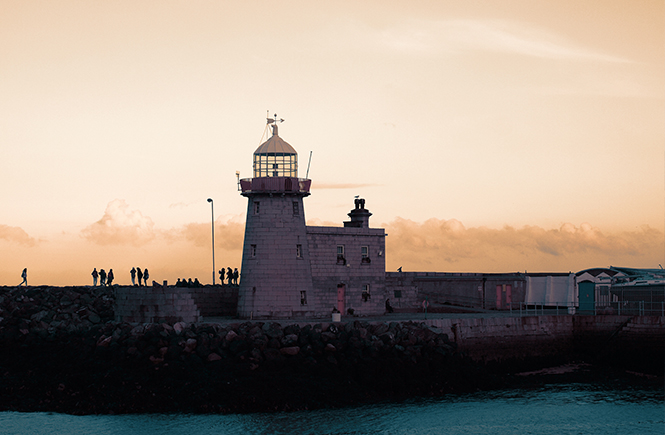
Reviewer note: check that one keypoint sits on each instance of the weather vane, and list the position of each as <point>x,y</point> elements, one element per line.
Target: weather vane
<point>273,121</point>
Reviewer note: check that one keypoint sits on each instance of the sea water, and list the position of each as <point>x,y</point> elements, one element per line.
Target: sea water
<point>550,409</point>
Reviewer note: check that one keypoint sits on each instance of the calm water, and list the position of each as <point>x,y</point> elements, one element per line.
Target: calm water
<point>554,409</point>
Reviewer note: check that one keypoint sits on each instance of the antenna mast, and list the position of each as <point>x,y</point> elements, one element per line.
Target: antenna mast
<point>308,163</point>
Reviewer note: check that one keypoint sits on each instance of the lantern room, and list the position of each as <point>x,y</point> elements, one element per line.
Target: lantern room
<point>275,157</point>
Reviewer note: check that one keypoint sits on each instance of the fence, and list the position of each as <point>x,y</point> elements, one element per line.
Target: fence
<point>620,308</point>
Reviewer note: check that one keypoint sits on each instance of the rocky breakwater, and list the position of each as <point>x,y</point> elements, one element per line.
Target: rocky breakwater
<point>82,365</point>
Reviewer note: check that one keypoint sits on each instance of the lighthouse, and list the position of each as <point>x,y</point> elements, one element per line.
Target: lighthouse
<point>276,279</point>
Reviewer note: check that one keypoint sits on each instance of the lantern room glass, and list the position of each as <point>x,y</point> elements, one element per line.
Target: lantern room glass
<point>276,165</point>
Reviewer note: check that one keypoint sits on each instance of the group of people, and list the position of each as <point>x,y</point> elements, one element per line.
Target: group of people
<point>106,279</point>
<point>188,283</point>
<point>231,276</point>
<point>141,276</point>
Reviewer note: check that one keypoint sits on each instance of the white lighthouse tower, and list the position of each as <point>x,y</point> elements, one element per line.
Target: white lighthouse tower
<point>276,275</point>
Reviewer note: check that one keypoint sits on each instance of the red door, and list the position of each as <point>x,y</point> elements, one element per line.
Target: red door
<point>341,289</point>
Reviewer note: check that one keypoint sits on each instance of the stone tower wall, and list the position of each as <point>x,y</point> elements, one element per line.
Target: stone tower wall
<point>273,275</point>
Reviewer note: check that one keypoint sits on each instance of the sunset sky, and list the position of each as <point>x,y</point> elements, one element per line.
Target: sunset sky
<point>485,136</point>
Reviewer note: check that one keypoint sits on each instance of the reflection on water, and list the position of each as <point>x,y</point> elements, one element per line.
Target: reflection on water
<point>560,409</point>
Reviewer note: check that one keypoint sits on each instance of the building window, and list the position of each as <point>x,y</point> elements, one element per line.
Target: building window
<point>298,251</point>
<point>365,294</point>
<point>296,208</point>
<point>252,251</point>
<point>303,298</point>
<point>256,207</point>
<point>364,254</point>
<point>340,255</point>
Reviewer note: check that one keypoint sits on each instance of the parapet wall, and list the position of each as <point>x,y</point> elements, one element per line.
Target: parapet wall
<point>173,304</point>
<point>497,339</point>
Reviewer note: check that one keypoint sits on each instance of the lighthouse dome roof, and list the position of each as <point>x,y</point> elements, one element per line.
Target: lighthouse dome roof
<point>275,146</point>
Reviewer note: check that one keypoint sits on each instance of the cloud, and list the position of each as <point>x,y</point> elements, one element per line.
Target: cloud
<point>228,236</point>
<point>442,245</point>
<point>120,226</point>
<point>341,185</point>
<point>455,36</point>
<point>16,235</point>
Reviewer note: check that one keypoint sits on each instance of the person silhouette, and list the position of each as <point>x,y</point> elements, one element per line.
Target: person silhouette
<point>94,277</point>
<point>133,275</point>
<point>235,276</point>
<point>139,275</point>
<point>221,276</point>
<point>146,276</point>
<point>102,277</point>
<point>109,277</point>
<point>24,275</point>
<point>229,275</point>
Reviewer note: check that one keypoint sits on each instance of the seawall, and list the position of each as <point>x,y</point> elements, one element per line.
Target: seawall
<point>64,351</point>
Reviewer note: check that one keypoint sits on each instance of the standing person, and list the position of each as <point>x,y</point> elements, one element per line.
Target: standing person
<point>102,277</point>
<point>24,275</point>
<point>139,275</point>
<point>109,277</point>
<point>94,277</point>
<point>229,275</point>
<point>221,277</point>
<point>235,276</point>
<point>146,276</point>
<point>133,274</point>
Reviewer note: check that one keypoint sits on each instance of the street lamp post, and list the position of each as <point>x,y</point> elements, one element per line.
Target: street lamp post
<point>212,210</point>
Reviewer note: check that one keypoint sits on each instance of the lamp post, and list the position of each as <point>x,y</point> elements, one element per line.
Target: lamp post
<point>212,210</point>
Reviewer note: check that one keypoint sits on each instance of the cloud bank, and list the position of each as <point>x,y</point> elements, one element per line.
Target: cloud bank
<point>16,235</point>
<point>447,245</point>
<point>120,226</point>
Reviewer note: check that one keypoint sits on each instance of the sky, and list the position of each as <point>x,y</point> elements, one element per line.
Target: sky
<point>485,136</point>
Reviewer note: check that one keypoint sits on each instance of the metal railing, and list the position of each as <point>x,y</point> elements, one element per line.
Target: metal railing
<point>619,308</point>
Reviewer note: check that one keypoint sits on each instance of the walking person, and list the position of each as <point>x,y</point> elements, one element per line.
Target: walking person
<point>146,276</point>
<point>102,277</point>
<point>139,275</point>
<point>221,277</point>
<point>94,277</point>
<point>24,275</point>
<point>109,277</point>
<point>133,274</point>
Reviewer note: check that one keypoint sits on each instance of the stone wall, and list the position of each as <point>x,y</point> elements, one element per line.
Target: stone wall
<point>275,260</point>
<point>328,271</point>
<point>174,304</point>
<point>215,301</point>
<point>155,304</point>
<point>638,339</point>
<point>477,290</point>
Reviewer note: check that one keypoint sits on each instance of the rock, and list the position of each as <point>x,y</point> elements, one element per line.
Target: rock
<point>273,330</point>
<point>190,345</point>
<point>179,327</point>
<point>330,347</point>
<point>293,350</point>
<point>288,340</point>
<point>214,357</point>
<point>230,335</point>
